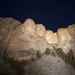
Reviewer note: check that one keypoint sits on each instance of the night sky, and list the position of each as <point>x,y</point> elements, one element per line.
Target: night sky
<point>52,13</point>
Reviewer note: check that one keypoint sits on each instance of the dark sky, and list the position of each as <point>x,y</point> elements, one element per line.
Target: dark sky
<point>51,13</point>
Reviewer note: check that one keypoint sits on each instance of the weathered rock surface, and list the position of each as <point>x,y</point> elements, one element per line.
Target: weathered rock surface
<point>49,65</point>
<point>23,41</point>
<point>20,39</point>
<point>7,25</point>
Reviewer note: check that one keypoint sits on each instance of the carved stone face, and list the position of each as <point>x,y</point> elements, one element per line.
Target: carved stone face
<point>29,35</point>
<point>64,39</point>
<point>29,44</point>
<point>36,37</point>
<point>20,49</point>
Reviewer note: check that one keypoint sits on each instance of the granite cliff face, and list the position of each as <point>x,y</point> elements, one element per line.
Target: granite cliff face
<point>27,41</point>
<point>22,37</point>
<point>30,35</point>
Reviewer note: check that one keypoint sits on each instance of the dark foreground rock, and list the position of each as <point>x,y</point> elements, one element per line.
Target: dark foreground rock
<point>46,65</point>
<point>49,65</point>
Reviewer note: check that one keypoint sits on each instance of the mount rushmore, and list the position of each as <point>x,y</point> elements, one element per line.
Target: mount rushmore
<point>23,41</point>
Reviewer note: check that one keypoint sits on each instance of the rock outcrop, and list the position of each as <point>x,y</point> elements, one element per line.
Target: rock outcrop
<point>24,42</point>
<point>28,37</point>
